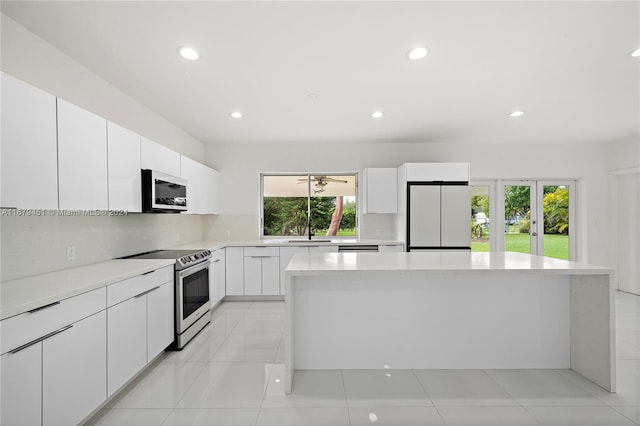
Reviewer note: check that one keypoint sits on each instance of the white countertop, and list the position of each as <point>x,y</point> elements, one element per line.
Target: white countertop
<point>28,293</point>
<point>284,242</point>
<point>435,262</point>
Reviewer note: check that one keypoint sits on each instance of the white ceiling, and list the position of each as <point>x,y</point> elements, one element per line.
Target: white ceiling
<point>566,64</point>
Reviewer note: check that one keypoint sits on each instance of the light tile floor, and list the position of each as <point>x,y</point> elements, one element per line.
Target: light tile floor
<point>232,373</point>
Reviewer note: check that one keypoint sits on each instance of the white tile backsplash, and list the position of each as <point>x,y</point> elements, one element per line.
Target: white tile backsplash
<point>34,245</point>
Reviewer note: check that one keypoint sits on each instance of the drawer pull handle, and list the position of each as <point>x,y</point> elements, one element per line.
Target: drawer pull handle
<point>147,273</point>
<point>147,292</point>
<point>40,339</point>
<point>215,261</point>
<point>44,307</point>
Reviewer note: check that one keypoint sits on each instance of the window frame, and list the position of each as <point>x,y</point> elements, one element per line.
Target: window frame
<point>308,175</point>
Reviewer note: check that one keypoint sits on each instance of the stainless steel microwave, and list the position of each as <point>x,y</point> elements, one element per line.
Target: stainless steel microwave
<point>162,193</point>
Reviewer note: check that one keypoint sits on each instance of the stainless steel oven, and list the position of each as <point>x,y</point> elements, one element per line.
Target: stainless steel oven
<point>193,305</point>
<point>192,301</point>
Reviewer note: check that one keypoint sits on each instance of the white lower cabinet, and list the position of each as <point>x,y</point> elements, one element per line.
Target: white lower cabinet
<point>127,337</point>
<point>217,280</point>
<point>323,249</point>
<point>387,248</point>
<point>234,271</point>
<point>58,380</point>
<point>140,324</point>
<point>160,320</point>
<point>286,253</point>
<point>22,387</point>
<point>74,376</point>
<point>261,271</point>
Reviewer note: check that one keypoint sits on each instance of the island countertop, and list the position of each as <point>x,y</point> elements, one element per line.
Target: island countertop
<point>437,262</point>
<point>449,310</point>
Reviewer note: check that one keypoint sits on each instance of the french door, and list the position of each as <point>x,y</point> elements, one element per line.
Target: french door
<point>539,217</point>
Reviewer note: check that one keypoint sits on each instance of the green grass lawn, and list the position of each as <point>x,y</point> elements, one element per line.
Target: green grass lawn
<point>554,245</point>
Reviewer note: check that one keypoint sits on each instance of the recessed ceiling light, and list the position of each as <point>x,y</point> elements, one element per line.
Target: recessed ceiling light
<point>188,53</point>
<point>635,53</point>
<point>236,114</point>
<point>417,53</point>
<point>377,114</point>
<point>516,113</point>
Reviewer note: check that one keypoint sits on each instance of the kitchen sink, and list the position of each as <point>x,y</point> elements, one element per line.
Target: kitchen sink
<point>309,241</point>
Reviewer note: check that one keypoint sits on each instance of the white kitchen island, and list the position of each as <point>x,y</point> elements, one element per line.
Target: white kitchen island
<point>449,310</point>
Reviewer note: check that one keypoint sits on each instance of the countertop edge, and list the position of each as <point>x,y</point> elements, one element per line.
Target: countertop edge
<point>55,286</point>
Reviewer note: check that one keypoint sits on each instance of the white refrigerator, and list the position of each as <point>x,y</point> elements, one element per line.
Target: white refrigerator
<point>438,216</point>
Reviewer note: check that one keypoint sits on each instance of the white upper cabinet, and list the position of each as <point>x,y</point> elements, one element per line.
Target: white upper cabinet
<point>433,172</point>
<point>154,156</point>
<point>82,158</point>
<point>380,190</point>
<point>124,169</point>
<point>202,186</point>
<point>29,157</point>
<point>213,189</point>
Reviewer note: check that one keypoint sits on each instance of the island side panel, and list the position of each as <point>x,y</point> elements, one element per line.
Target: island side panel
<point>593,349</point>
<point>289,360</point>
<point>417,320</point>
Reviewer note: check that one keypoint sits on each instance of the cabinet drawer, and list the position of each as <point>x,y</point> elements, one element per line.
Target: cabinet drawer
<point>131,287</point>
<point>24,328</point>
<point>262,251</point>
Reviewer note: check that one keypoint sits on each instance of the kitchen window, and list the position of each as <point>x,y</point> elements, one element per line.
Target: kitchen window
<point>291,204</point>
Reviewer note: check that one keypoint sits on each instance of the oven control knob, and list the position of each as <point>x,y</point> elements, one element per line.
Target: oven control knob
<point>185,260</point>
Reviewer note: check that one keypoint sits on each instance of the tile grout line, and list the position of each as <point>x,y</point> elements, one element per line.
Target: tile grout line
<point>429,397</point>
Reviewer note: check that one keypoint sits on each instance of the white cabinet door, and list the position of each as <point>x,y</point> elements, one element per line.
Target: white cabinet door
<point>82,158</point>
<point>286,253</point>
<point>156,157</point>
<point>252,275</point>
<point>21,387</point>
<point>380,190</point>
<point>160,319</point>
<point>123,147</point>
<point>217,277</point>
<point>387,248</point>
<point>29,152</point>
<point>214,190</point>
<point>127,341</point>
<point>234,271</point>
<point>201,188</point>
<point>74,371</point>
<point>424,216</point>
<point>323,249</point>
<point>455,215</point>
<point>192,171</point>
<point>271,276</point>
<point>443,172</point>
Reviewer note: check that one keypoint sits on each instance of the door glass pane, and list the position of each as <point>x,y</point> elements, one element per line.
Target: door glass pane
<point>555,208</point>
<point>517,218</point>
<point>480,220</point>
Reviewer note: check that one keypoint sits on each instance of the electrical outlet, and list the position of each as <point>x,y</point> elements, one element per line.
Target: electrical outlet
<point>227,233</point>
<point>178,236</point>
<point>71,252</point>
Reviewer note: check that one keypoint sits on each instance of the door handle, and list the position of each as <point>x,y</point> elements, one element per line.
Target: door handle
<point>534,234</point>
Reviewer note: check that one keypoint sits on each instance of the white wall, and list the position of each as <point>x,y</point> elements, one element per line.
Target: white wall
<point>240,166</point>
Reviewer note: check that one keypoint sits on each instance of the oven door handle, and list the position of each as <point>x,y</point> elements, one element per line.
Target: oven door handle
<point>195,268</point>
